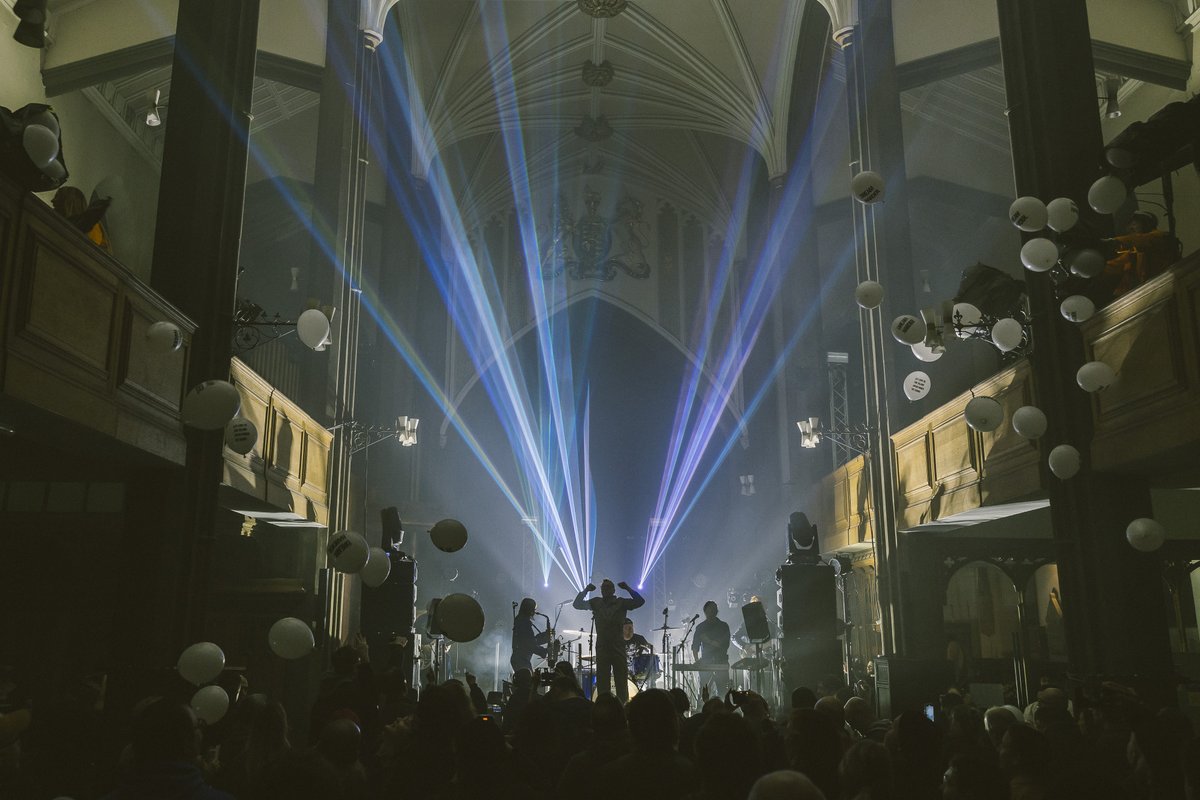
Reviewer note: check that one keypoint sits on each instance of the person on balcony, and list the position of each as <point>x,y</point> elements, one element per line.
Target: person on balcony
<point>1142,253</point>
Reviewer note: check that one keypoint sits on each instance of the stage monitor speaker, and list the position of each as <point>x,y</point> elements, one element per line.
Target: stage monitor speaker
<point>910,684</point>
<point>393,531</point>
<point>755,618</point>
<point>431,622</point>
<point>807,600</point>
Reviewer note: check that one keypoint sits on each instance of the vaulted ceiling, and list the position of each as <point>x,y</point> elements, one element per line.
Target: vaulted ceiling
<point>664,94</point>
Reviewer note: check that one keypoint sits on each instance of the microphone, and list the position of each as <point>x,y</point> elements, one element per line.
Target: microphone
<point>693,619</point>
<point>664,612</point>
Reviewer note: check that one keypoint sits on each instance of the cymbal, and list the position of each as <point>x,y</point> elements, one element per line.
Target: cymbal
<point>570,632</point>
<point>667,628</point>
<point>587,658</point>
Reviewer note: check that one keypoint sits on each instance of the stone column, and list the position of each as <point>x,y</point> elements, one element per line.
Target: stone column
<point>1113,610</point>
<point>196,245</point>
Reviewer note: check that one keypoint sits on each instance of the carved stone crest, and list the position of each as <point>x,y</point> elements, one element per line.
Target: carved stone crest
<point>601,8</point>
<point>595,247</point>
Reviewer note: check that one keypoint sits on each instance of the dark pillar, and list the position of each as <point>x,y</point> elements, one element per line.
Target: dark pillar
<point>1112,596</point>
<point>883,253</point>
<point>196,245</point>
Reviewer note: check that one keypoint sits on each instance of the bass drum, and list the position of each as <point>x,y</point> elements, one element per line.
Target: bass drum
<point>630,685</point>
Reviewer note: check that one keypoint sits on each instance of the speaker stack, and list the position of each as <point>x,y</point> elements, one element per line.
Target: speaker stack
<point>388,610</point>
<point>808,624</point>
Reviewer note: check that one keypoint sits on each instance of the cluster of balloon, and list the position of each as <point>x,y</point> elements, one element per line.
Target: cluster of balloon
<point>448,535</point>
<point>290,638</point>
<point>1145,534</point>
<point>200,664</point>
<point>164,337</point>
<point>241,435</point>
<point>867,187</point>
<point>377,569</point>
<point>348,551</point>
<point>1095,376</point>
<point>41,143</point>
<point>211,405</point>
<point>1029,422</point>
<point>916,385</point>
<point>460,617</point>
<point>984,414</point>
<point>1064,461</point>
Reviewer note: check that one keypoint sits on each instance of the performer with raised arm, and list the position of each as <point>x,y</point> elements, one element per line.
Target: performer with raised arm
<point>527,641</point>
<point>608,612</point>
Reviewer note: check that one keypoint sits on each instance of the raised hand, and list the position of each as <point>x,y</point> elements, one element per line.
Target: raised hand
<point>624,585</point>
<point>591,587</point>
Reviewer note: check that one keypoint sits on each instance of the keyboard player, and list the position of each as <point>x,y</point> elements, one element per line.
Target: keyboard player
<point>710,648</point>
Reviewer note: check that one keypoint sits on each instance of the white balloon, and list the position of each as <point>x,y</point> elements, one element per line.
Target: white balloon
<point>1061,214</point>
<point>867,186</point>
<point>908,329</point>
<point>917,385</point>
<point>460,617</point>
<point>448,535</point>
<point>966,318</point>
<point>1086,263</point>
<point>1107,194</point>
<point>1007,334</point>
<point>984,414</point>
<point>1077,308</point>
<point>164,337</point>
<point>1029,422</point>
<point>378,567</point>
<point>1145,534</point>
<point>241,435</point>
<point>313,328</point>
<point>1120,158</point>
<point>291,638</point>
<point>348,551</point>
<point>926,353</point>
<point>869,294</point>
<point>211,405</point>
<point>210,704</point>
<point>1028,213</point>
<point>201,663</point>
<point>1064,461</point>
<point>1039,255</point>
<point>47,120</point>
<point>55,170</point>
<point>41,145</point>
<point>1095,376</point>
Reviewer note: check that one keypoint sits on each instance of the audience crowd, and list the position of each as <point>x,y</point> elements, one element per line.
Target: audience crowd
<point>370,736</point>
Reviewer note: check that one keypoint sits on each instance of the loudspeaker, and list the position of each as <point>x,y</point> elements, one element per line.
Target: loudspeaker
<point>807,600</point>
<point>754,616</point>
<point>808,660</point>
<point>387,612</point>
<point>393,531</point>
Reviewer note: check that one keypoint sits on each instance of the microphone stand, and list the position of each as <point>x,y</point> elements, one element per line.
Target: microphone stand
<point>666,647</point>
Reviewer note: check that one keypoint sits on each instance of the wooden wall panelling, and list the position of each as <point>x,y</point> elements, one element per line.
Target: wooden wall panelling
<point>1150,418</point>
